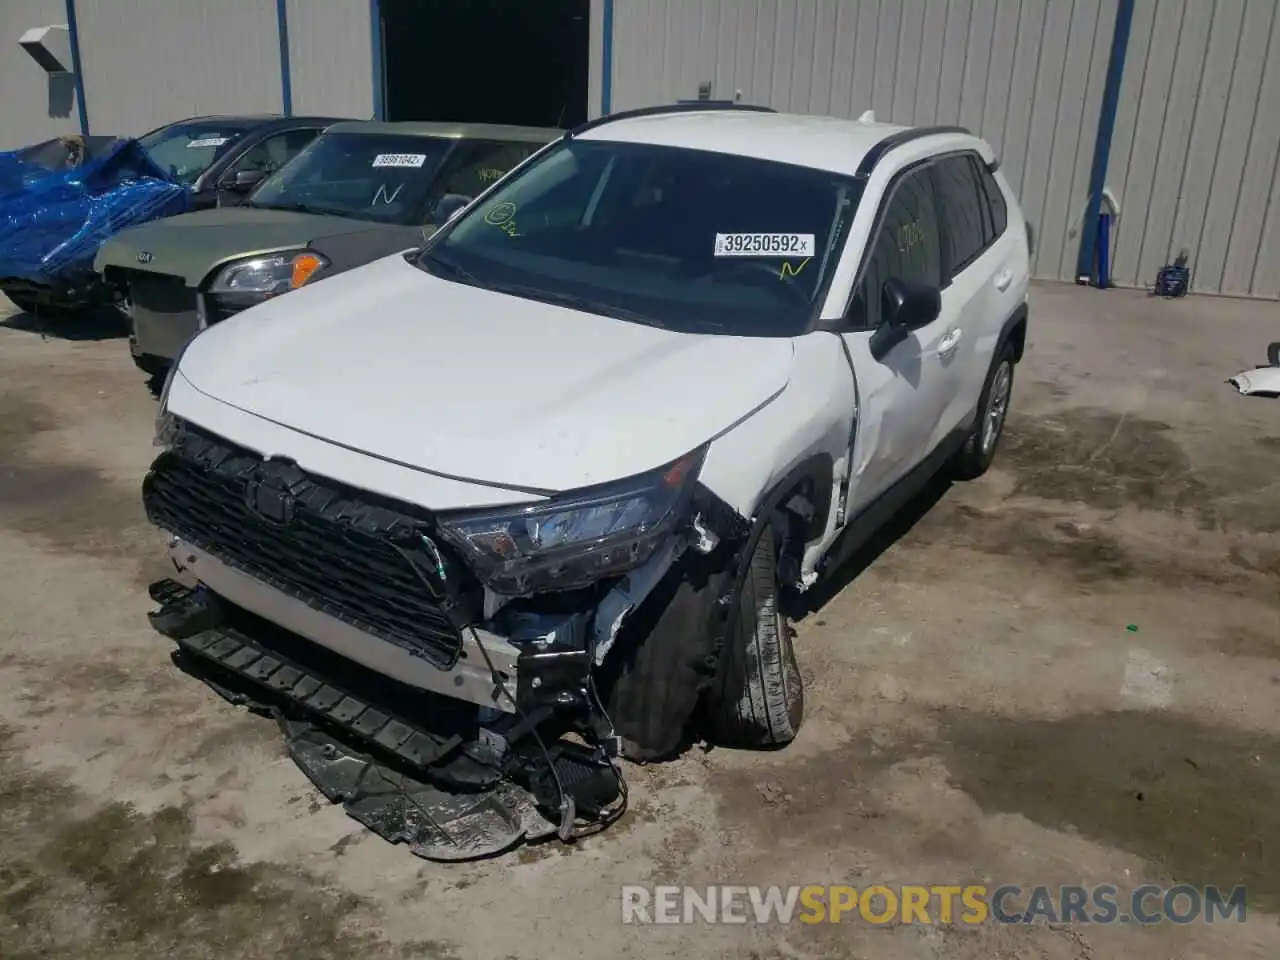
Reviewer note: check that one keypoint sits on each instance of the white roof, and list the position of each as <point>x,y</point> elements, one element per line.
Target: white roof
<point>824,143</point>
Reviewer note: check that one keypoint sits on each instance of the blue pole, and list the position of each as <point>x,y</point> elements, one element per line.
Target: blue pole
<point>286,85</point>
<point>74,38</point>
<point>606,60</point>
<point>1104,251</point>
<point>375,34</point>
<point>1102,143</point>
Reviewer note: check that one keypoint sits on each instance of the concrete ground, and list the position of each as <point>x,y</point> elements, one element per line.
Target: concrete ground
<point>1066,672</point>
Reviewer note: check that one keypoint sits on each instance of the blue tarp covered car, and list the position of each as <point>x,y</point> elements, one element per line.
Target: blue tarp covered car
<point>59,200</point>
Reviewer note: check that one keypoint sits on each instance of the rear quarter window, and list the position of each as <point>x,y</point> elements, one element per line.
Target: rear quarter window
<point>998,210</point>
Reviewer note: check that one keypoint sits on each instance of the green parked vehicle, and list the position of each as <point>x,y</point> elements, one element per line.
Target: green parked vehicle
<point>360,191</point>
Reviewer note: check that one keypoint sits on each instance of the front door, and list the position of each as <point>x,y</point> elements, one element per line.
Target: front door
<point>904,394</point>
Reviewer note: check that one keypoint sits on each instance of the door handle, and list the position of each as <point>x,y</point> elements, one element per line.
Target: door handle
<point>1003,279</point>
<point>949,342</point>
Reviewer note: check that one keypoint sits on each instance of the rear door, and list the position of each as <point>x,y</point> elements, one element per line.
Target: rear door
<point>981,272</point>
<point>1010,236</point>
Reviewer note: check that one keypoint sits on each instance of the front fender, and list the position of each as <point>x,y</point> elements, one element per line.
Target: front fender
<point>804,431</point>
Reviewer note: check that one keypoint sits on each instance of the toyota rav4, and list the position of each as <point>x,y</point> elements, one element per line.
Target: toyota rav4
<point>546,479</point>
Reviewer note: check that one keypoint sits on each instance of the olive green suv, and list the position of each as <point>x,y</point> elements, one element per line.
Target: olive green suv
<point>360,191</point>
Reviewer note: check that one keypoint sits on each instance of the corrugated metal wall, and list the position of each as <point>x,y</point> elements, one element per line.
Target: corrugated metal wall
<point>1196,145</point>
<point>1197,137</point>
<point>31,107</point>
<point>1027,75</point>
<point>147,62</point>
<point>330,57</point>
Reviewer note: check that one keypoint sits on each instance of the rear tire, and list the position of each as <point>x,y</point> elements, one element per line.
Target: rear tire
<point>974,458</point>
<point>757,696</point>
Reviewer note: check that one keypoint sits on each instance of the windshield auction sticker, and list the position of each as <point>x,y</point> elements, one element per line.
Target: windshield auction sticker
<point>764,245</point>
<point>399,159</point>
<point>207,142</point>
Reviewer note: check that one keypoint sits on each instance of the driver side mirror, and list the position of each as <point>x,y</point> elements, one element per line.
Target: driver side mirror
<point>243,180</point>
<point>905,305</point>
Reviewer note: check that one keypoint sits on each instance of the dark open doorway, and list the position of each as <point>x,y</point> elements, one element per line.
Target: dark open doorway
<point>492,61</point>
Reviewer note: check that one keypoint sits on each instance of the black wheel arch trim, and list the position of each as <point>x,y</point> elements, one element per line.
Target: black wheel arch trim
<point>1019,317</point>
<point>817,473</point>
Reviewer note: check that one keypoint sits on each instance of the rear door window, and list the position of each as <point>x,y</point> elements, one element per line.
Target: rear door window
<point>964,213</point>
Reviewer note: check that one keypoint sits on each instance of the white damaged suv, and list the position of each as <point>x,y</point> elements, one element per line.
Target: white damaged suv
<point>559,464</point>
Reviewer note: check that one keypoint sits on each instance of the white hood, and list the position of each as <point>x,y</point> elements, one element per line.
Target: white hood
<point>477,385</point>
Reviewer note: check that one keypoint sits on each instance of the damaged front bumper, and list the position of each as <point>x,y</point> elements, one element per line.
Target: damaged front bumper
<point>415,771</point>
<point>469,679</point>
<point>441,714</point>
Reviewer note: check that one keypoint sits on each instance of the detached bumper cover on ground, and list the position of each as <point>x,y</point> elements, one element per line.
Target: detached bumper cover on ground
<point>1260,381</point>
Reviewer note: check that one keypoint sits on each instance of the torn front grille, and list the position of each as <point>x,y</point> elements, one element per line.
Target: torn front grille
<point>311,538</point>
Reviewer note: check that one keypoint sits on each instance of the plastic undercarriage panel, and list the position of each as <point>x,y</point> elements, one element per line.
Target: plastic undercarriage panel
<point>432,792</point>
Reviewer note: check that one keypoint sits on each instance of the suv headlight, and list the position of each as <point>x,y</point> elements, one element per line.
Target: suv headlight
<point>576,538</point>
<point>267,276</point>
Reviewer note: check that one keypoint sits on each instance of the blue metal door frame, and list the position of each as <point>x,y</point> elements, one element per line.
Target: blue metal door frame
<point>73,37</point>
<point>286,81</point>
<point>606,59</point>
<point>376,39</point>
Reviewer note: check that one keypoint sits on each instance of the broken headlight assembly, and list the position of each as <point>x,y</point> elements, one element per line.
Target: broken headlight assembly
<point>575,539</point>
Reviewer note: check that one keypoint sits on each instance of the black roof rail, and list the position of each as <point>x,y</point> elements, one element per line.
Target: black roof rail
<point>680,106</point>
<point>874,155</point>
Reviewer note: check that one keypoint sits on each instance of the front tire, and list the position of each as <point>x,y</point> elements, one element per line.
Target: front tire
<point>757,697</point>
<point>654,676</point>
<point>974,458</point>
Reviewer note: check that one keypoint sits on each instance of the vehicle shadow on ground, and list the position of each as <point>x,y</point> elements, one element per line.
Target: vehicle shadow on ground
<point>76,327</point>
<point>833,581</point>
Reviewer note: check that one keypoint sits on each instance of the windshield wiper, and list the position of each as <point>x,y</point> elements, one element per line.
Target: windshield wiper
<point>575,302</point>
<point>448,266</point>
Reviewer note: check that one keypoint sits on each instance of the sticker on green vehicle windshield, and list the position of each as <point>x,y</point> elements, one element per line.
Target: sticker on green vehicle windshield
<point>764,245</point>
<point>399,159</point>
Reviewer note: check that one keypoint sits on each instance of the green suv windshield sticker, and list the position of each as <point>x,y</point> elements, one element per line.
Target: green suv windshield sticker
<point>399,159</point>
<point>764,245</point>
